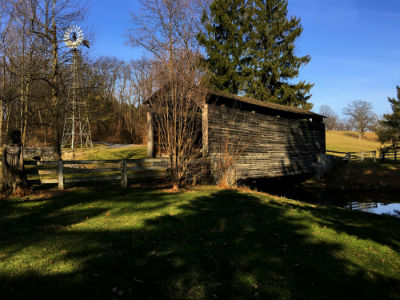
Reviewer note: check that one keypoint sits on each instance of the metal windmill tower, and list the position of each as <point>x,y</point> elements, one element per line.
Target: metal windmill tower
<point>76,125</point>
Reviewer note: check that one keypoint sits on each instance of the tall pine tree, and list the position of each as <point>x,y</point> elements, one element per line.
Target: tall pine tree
<point>224,40</point>
<point>389,127</point>
<point>254,48</point>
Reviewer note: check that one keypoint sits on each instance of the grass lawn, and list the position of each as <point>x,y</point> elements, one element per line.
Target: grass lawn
<point>345,141</point>
<point>205,243</point>
<point>103,152</point>
<point>99,152</point>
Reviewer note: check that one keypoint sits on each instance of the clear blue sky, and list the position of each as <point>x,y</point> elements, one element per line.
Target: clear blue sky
<point>354,46</point>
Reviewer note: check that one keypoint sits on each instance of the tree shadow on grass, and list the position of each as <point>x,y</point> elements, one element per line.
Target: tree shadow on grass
<point>24,223</point>
<point>225,244</point>
<point>381,229</point>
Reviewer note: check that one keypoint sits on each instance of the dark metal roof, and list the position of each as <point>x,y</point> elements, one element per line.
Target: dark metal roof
<point>299,112</point>
<point>269,105</point>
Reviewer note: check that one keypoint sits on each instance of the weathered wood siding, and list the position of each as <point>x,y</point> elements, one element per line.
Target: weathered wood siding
<point>273,146</point>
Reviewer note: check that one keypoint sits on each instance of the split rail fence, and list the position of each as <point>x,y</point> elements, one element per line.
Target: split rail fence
<point>75,171</point>
<point>355,156</point>
<point>362,205</point>
<point>390,155</point>
<point>361,156</point>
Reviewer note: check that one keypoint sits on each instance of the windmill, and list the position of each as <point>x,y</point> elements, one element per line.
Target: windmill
<point>76,125</point>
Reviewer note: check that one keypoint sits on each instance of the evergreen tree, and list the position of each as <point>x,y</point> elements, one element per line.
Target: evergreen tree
<point>253,49</point>
<point>224,40</point>
<point>272,52</point>
<point>389,129</point>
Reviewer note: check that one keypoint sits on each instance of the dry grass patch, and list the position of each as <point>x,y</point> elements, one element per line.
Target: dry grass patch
<point>344,141</point>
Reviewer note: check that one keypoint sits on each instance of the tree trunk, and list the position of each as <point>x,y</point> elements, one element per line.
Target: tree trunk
<point>3,88</point>
<point>25,114</point>
<point>12,168</point>
<point>54,92</point>
<point>8,116</point>
<point>57,143</point>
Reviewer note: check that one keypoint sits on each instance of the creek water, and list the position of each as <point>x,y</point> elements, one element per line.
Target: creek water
<point>392,209</point>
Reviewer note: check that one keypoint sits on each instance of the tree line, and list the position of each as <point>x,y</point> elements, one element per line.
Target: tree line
<point>358,116</point>
<point>35,77</point>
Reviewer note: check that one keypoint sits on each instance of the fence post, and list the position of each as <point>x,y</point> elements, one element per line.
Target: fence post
<point>348,156</point>
<point>124,177</point>
<point>395,155</point>
<point>362,156</point>
<point>374,153</point>
<point>60,174</point>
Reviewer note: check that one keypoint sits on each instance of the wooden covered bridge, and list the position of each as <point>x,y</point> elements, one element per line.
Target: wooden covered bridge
<point>271,140</point>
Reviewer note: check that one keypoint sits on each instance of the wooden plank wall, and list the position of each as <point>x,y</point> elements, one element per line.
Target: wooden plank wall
<point>273,146</point>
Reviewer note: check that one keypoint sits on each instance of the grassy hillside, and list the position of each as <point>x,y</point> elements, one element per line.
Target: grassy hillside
<point>206,243</point>
<point>345,141</point>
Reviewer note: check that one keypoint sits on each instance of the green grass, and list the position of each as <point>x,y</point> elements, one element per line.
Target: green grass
<point>99,152</point>
<point>345,141</point>
<point>102,152</point>
<point>198,244</point>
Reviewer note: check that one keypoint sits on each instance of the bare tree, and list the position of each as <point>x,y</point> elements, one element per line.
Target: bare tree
<point>25,62</point>
<point>332,119</point>
<point>140,88</point>
<point>35,77</point>
<point>176,112</point>
<point>116,94</point>
<point>345,125</point>
<point>361,115</point>
<point>167,30</point>
<point>47,21</point>
<point>3,71</point>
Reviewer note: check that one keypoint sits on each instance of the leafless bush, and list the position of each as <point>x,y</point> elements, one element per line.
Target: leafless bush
<point>176,110</point>
<point>167,30</point>
<point>229,149</point>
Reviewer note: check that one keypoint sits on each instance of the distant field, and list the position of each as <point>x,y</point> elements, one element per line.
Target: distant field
<point>345,141</point>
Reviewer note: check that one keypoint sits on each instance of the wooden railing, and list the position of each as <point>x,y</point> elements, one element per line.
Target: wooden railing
<point>362,205</point>
<point>74,169</point>
<point>390,155</point>
<point>355,156</point>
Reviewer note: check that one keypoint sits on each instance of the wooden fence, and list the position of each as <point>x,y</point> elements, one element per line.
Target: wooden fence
<point>362,205</point>
<point>390,155</point>
<point>355,156</point>
<point>73,171</point>
<point>361,156</point>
